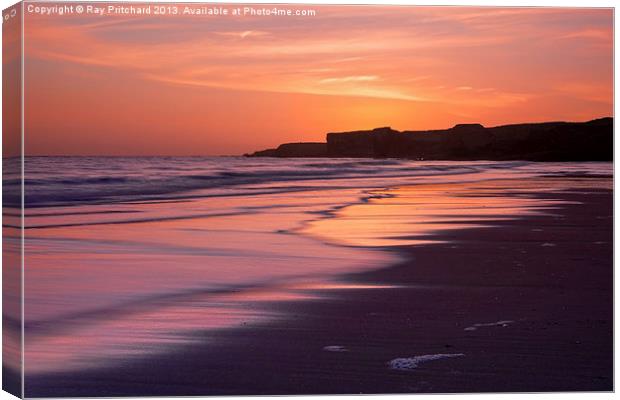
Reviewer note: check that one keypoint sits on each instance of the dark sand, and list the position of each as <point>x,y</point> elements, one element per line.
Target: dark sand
<point>559,296</point>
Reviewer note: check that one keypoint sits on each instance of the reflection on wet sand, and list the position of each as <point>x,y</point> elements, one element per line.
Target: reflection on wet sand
<point>411,215</point>
<point>152,276</point>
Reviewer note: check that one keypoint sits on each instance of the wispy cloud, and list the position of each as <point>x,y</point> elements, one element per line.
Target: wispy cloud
<point>356,78</point>
<point>243,34</point>
<point>595,34</point>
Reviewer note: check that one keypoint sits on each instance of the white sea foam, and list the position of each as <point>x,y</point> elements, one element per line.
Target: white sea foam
<point>409,363</point>
<point>336,349</point>
<point>487,324</point>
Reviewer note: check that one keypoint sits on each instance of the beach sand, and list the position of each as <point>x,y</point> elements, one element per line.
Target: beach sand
<point>517,305</point>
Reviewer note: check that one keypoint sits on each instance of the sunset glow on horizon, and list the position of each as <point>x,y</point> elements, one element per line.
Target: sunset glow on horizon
<point>226,85</point>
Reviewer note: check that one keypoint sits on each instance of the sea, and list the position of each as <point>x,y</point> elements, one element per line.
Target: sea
<point>132,257</point>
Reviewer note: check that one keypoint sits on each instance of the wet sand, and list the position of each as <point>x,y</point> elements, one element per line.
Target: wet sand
<point>524,305</point>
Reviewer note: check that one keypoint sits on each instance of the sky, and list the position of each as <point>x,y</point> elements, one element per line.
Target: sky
<point>227,85</point>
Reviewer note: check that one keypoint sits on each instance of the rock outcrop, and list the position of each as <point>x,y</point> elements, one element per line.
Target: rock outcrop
<point>294,150</point>
<point>550,141</point>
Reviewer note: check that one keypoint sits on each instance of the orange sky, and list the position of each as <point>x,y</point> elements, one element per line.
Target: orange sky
<point>180,85</point>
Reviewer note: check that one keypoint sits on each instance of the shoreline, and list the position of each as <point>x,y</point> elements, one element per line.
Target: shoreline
<point>535,324</point>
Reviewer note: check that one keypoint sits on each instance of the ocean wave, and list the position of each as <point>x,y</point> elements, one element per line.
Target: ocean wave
<point>67,181</point>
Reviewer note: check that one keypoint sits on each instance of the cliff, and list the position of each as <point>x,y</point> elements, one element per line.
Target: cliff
<point>549,141</point>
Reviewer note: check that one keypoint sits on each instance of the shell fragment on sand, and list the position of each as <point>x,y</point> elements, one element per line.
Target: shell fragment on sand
<point>409,363</point>
<point>336,349</point>
<point>503,324</point>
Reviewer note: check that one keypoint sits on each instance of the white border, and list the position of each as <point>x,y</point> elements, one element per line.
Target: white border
<point>491,3</point>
